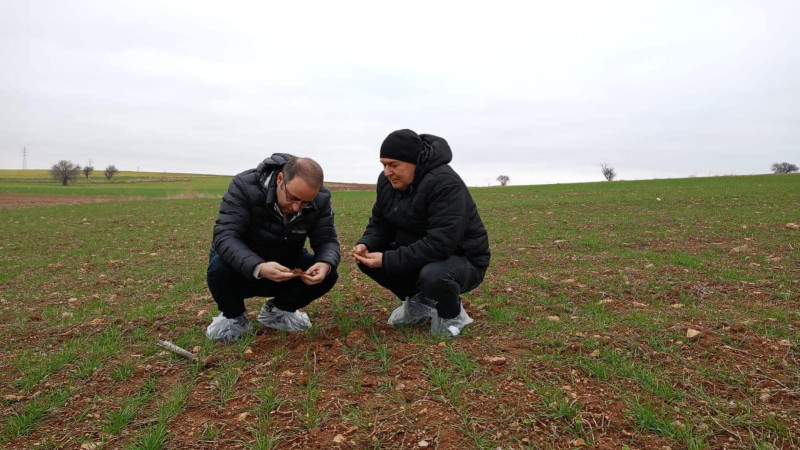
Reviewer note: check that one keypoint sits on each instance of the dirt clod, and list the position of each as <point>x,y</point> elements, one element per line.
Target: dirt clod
<point>738,328</point>
<point>355,338</point>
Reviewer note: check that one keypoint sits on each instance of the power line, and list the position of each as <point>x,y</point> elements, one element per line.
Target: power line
<point>24,158</point>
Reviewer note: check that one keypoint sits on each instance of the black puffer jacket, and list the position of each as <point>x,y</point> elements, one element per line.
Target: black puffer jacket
<point>250,231</point>
<point>432,219</point>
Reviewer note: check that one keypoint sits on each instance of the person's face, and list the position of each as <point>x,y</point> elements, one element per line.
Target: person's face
<point>294,195</point>
<point>399,173</point>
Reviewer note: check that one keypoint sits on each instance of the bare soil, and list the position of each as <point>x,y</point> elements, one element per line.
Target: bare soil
<point>17,201</point>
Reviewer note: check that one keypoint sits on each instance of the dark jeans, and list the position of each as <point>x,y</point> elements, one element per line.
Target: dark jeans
<point>441,282</point>
<point>229,288</point>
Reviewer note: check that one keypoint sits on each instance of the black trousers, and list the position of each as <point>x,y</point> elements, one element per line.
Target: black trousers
<point>229,288</point>
<point>441,281</point>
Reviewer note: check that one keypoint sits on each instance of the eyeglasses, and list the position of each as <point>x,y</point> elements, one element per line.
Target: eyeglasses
<point>294,200</point>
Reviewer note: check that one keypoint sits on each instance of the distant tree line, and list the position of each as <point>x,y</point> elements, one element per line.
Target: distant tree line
<point>66,172</point>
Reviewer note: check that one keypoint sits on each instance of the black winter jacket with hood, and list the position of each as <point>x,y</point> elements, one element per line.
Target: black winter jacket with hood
<point>250,229</point>
<point>433,218</point>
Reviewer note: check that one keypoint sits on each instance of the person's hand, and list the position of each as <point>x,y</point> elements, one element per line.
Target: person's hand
<point>373,260</point>
<point>316,273</point>
<point>275,272</point>
<point>360,249</point>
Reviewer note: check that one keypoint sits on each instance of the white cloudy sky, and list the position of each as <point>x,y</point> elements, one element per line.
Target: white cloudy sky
<point>541,91</point>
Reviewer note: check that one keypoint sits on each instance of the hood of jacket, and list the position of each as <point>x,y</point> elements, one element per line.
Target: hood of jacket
<point>265,171</point>
<point>435,153</point>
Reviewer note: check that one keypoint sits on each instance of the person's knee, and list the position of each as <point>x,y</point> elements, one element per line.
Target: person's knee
<point>432,277</point>
<point>331,277</point>
<point>218,269</point>
<point>374,274</point>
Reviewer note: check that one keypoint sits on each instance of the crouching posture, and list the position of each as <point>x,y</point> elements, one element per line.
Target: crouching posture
<point>259,246</point>
<point>425,240</point>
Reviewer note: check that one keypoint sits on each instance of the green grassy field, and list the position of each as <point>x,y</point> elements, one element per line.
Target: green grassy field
<point>580,333</point>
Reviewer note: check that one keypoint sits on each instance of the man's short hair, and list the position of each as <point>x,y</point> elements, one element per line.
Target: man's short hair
<point>305,168</point>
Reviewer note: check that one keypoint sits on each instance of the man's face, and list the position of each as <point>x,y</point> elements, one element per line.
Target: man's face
<point>294,195</point>
<point>399,173</point>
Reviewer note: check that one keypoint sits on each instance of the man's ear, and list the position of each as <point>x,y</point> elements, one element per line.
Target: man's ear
<point>279,180</point>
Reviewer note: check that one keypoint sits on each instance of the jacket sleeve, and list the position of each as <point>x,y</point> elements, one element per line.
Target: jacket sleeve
<point>446,224</point>
<point>379,232</point>
<point>322,237</point>
<point>230,228</point>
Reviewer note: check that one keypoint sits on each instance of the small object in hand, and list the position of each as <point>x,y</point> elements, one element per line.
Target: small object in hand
<point>297,272</point>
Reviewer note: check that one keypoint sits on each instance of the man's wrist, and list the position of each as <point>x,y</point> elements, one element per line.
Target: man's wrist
<point>257,271</point>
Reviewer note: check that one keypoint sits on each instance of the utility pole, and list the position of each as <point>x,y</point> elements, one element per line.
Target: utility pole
<point>24,158</point>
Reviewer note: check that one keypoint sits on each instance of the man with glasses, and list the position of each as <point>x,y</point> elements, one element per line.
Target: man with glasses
<point>259,246</point>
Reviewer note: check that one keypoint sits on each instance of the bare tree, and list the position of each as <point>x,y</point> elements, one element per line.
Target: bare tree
<point>110,172</point>
<point>608,172</point>
<point>88,171</point>
<point>784,167</point>
<point>65,172</point>
<point>503,179</point>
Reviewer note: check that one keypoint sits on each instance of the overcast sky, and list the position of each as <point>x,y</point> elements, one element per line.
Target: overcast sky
<point>543,92</point>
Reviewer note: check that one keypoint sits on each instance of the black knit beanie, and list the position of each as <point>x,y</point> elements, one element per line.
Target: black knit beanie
<point>403,145</point>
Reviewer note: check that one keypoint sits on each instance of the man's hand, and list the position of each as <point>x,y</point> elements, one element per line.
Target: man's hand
<point>359,249</point>
<point>316,273</point>
<point>275,272</point>
<point>373,260</point>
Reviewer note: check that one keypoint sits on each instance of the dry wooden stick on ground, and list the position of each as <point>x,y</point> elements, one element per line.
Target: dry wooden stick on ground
<point>174,348</point>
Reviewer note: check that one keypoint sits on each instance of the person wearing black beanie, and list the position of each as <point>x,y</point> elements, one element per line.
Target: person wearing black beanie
<point>425,240</point>
<point>402,145</point>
